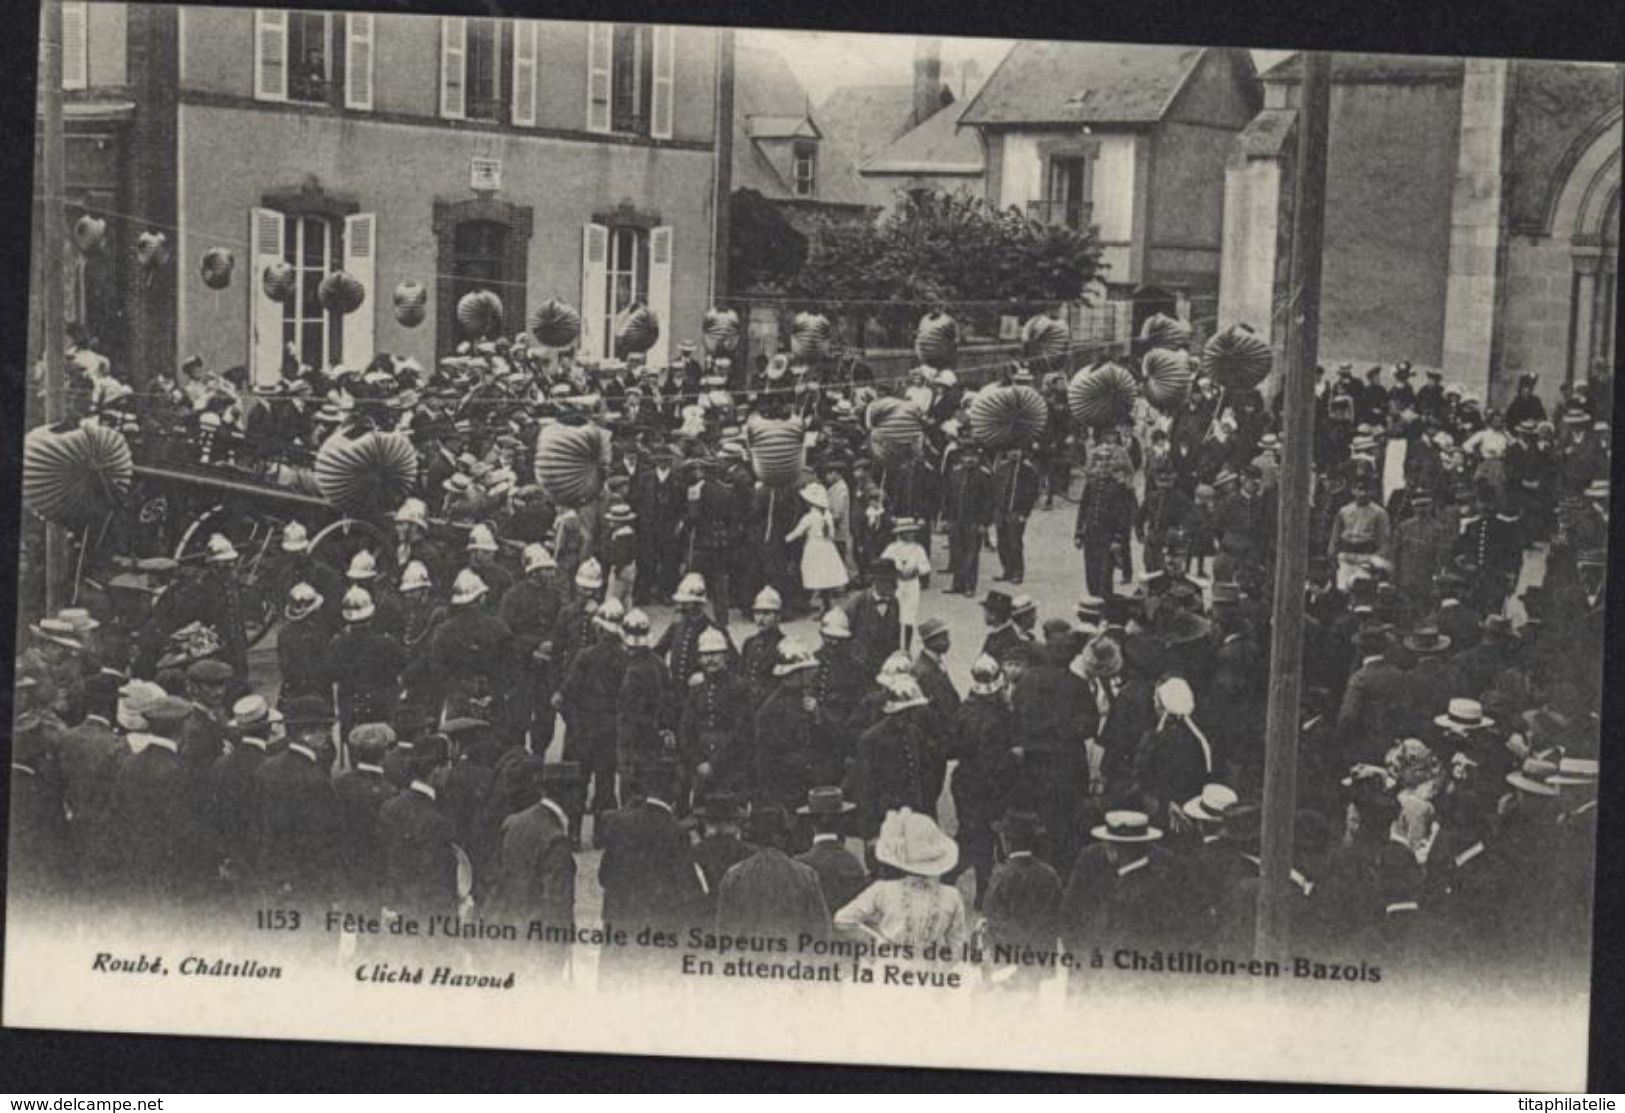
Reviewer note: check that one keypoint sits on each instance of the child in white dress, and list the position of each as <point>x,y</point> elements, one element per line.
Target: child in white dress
<point>822,571</point>
<point>909,557</point>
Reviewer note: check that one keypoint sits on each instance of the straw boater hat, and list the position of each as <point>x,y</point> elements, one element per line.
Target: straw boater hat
<point>303,599</point>
<point>253,711</point>
<point>913,843</point>
<point>1462,715</point>
<point>1211,804</point>
<point>905,525</point>
<point>1575,772</point>
<point>1535,778</point>
<point>80,619</point>
<point>57,631</point>
<point>1126,826</point>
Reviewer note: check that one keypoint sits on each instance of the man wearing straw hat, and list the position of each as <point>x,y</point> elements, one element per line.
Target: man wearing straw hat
<point>1121,890</point>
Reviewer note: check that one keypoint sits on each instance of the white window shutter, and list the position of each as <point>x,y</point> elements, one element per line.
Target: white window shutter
<point>358,57</point>
<point>660,261</point>
<point>662,94</point>
<point>75,44</point>
<point>600,58</point>
<point>524,72</point>
<point>453,67</point>
<point>361,261</point>
<point>270,54</point>
<point>594,290</point>
<point>265,231</point>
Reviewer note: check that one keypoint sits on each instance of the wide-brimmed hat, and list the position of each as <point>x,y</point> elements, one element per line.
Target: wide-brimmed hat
<point>913,843</point>
<point>816,494</point>
<point>1427,639</point>
<point>1535,778</point>
<point>1463,715</point>
<point>826,800</point>
<point>1211,803</point>
<point>253,711</point>
<point>1576,771</point>
<point>1126,826</point>
<point>998,604</point>
<point>722,806</point>
<point>58,631</point>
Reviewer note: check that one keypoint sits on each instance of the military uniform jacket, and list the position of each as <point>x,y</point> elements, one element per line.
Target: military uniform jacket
<point>904,768</point>
<point>301,651</point>
<point>679,647</point>
<point>968,500</point>
<point>783,748</point>
<point>912,490</point>
<point>716,516</point>
<point>758,655</point>
<point>1015,486</point>
<point>643,709</point>
<point>299,826</point>
<point>531,611</point>
<point>421,866</point>
<point>715,727</point>
<point>593,684</point>
<point>366,664</point>
<point>987,767</point>
<point>877,631</point>
<point>472,644</point>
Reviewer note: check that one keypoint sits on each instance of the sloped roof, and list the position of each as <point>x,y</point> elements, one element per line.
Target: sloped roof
<point>1083,83</point>
<point>938,146</point>
<point>1369,67</point>
<point>864,119</point>
<point>782,127</point>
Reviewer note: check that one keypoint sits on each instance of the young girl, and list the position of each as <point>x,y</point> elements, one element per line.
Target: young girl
<point>822,570</point>
<point>908,556</point>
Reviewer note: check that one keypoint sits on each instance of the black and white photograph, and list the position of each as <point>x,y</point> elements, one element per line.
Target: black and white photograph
<point>813,545</point>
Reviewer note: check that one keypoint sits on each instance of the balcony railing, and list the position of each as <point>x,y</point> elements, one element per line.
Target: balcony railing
<point>1066,214</point>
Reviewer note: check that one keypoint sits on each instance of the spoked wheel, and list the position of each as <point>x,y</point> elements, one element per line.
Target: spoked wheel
<point>254,537</point>
<point>340,541</point>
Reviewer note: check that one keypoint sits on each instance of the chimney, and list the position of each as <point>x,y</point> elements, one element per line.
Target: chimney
<point>927,79</point>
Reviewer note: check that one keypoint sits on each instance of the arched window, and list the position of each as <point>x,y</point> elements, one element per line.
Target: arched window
<point>483,244</point>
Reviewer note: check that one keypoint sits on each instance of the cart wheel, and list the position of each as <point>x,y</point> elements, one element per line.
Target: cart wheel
<point>252,535</point>
<point>339,541</point>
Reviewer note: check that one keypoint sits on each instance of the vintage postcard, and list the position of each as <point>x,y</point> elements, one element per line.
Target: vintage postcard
<point>705,541</point>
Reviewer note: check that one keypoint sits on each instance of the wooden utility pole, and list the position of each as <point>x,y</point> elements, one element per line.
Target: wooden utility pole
<point>52,330</point>
<point>1300,318</point>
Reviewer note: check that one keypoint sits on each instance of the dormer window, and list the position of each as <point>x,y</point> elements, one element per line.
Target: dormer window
<point>804,168</point>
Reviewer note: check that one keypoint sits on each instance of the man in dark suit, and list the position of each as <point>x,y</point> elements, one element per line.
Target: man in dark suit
<point>841,874</point>
<point>876,620</point>
<point>659,499</point>
<point>1123,891</point>
<point>467,784</point>
<point>234,793</point>
<point>722,846</point>
<point>931,668</point>
<point>531,612</point>
<point>535,872</point>
<point>1001,631</point>
<point>361,792</point>
<point>89,757</point>
<point>420,877</point>
<point>41,862</point>
<point>589,698</point>
<point>1371,701</point>
<point>969,508</point>
<point>298,811</point>
<point>154,821</point>
<point>648,872</point>
<point>1023,904</point>
<point>770,893</point>
<point>1015,486</point>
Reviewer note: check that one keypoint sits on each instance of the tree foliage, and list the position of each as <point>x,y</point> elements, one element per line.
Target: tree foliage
<point>948,249</point>
<point>764,250</point>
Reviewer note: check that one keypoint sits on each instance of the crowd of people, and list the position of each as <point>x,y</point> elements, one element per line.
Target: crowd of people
<point>1104,765</point>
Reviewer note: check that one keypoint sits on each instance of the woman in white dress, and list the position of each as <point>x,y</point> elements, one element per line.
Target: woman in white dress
<point>913,564</point>
<point>822,570</point>
<point>917,909</point>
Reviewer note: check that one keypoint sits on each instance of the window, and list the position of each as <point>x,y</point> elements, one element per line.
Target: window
<point>481,243</point>
<point>479,259</point>
<point>627,277</point>
<point>313,245</point>
<point>470,69</point>
<point>1071,184</point>
<point>75,44</point>
<point>804,164</point>
<point>310,57</point>
<point>631,79</point>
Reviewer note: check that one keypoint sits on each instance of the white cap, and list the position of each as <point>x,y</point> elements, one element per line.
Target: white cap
<point>536,556</point>
<point>415,511</point>
<point>363,566</point>
<point>467,587</point>
<point>415,577</point>
<point>357,605</point>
